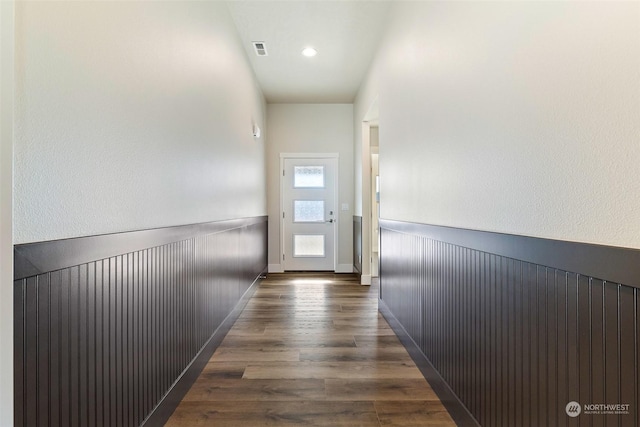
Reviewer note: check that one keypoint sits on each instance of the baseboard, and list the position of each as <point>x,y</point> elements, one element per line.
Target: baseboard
<point>163,411</point>
<point>344,268</point>
<point>365,279</point>
<point>454,406</point>
<point>275,268</point>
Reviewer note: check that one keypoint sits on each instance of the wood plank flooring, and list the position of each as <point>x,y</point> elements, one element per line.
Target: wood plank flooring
<point>311,349</point>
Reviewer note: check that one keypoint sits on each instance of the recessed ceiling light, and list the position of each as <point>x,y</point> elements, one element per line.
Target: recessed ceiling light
<point>309,51</point>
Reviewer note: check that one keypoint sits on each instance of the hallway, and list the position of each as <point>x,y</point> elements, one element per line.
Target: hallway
<point>311,349</point>
<point>148,158</point>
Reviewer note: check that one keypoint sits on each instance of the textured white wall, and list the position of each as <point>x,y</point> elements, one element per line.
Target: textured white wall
<point>311,128</point>
<point>6,188</point>
<point>132,115</point>
<point>516,117</point>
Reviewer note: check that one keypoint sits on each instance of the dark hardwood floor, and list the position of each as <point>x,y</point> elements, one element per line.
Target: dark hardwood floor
<point>311,349</point>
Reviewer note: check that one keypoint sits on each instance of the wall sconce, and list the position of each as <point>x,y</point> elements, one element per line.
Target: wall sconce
<point>256,131</point>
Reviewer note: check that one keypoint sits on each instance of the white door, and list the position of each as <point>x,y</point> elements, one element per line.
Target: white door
<point>309,216</point>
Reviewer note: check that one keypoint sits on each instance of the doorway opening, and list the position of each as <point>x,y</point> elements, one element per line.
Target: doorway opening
<point>370,235</point>
<point>375,203</point>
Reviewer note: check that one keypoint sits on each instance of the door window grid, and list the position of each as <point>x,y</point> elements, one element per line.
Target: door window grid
<point>308,176</point>
<point>308,245</point>
<point>308,211</point>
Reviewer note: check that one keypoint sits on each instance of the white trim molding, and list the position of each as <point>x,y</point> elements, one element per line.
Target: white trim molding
<point>309,155</point>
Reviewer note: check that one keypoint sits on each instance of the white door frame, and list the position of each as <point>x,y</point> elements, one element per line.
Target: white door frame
<point>365,276</point>
<point>374,238</point>
<point>336,156</point>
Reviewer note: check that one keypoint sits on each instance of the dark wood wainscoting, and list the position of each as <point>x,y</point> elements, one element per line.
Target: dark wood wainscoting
<point>514,333</point>
<point>357,244</point>
<point>106,326</point>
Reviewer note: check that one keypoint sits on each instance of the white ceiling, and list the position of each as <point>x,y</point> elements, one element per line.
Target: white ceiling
<point>345,34</point>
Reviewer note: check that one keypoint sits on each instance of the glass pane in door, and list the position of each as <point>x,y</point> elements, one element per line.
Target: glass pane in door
<point>308,245</point>
<point>308,177</point>
<point>308,210</point>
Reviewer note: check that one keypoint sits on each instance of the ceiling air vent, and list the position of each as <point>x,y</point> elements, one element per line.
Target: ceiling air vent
<point>260,48</point>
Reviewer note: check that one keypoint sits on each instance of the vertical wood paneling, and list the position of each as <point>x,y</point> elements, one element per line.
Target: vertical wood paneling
<point>99,341</point>
<point>31,358</point>
<point>514,340</point>
<point>597,348</point>
<point>551,357</point>
<point>65,347</point>
<point>532,285</point>
<point>55,279</point>
<point>562,370</point>
<point>100,344</point>
<point>83,391</point>
<point>503,327</point>
<point>42,290</point>
<point>637,345</point>
<point>525,366</point>
<point>628,359</point>
<point>517,345</point>
<point>136,355</point>
<point>494,332</point>
<point>483,337</point>
<point>488,360</point>
<point>117,371</point>
<point>19,298</point>
<point>612,348</point>
<point>572,362</point>
<point>584,342</point>
<point>74,346</point>
<point>91,344</point>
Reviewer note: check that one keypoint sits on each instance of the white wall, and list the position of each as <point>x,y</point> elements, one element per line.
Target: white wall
<point>6,187</point>
<point>516,117</point>
<point>374,139</point>
<point>311,128</point>
<point>132,115</point>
